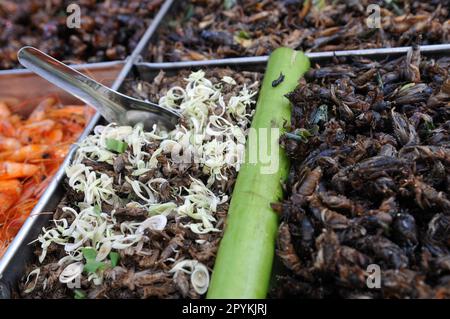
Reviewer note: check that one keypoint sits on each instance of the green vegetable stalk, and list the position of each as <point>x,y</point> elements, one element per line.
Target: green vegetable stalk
<point>244,260</point>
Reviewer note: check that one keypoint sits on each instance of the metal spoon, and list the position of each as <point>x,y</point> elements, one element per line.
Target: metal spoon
<point>112,105</point>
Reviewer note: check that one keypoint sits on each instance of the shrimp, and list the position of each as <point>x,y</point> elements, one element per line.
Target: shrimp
<point>7,128</point>
<point>39,112</point>
<point>27,153</point>
<point>70,111</point>
<point>12,186</point>
<point>62,151</point>
<point>4,110</point>
<point>32,132</point>
<point>9,143</point>
<point>54,136</point>
<point>31,151</point>
<point>9,194</point>
<point>17,217</point>
<point>10,170</point>
<point>6,202</point>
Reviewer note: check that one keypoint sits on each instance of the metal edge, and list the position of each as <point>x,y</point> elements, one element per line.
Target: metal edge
<point>18,242</point>
<point>90,66</point>
<point>437,48</point>
<point>434,48</point>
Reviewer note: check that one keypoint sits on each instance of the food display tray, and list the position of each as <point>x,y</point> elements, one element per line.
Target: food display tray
<point>19,253</point>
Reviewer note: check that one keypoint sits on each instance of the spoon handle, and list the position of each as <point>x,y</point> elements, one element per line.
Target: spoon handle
<point>86,89</point>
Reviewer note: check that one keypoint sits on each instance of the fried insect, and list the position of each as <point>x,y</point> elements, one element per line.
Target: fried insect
<point>370,181</point>
<point>108,31</point>
<point>201,30</point>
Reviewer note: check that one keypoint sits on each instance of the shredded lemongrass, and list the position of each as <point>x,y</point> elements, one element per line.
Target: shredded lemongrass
<point>97,188</point>
<point>34,273</point>
<point>212,136</point>
<point>200,204</point>
<point>199,274</point>
<point>71,272</point>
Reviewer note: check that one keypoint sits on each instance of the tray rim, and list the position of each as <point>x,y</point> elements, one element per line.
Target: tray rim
<point>314,56</point>
<point>81,66</point>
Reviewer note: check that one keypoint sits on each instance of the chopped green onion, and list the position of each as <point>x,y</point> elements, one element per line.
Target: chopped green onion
<point>243,34</point>
<point>302,134</point>
<point>429,126</point>
<point>117,146</point>
<point>92,265</point>
<point>97,209</point>
<point>89,253</point>
<point>189,14</point>
<point>319,4</point>
<point>79,294</point>
<point>114,257</point>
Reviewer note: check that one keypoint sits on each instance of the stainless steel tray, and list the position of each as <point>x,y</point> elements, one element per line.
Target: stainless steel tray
<point>23,84</point>
<point>19,253</point>
<point>172,6</point>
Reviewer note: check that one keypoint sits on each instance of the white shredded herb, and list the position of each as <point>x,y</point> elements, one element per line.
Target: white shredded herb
<point>212,135</point>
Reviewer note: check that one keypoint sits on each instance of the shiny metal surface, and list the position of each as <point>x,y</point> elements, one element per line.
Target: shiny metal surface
<point>314,56</point>
<point>112,105</point>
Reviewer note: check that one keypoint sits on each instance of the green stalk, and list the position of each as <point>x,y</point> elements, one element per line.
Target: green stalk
<point>244,260</point>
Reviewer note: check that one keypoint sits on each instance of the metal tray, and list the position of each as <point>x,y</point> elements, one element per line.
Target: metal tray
<point>19,253</point>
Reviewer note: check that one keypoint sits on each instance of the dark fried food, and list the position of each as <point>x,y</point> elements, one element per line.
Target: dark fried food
<point>370,180</point>
<point>200,30</point>
<point>109,30</point>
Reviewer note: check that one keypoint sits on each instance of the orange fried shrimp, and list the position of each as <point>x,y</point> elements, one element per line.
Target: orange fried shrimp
<point>32,149</point>
<point>9,194</point>
<point>38,126</point>
<point>4,110</point>
<point>9,143</point>
<point>12,186</point>
<point>32,132</point>
<point>7,128</point>
<point>69,111</point>
<point>6,202</point>
<point>10,170</point>
<point>40,111</point>
<point>61,151</point>
<point>18,215</point>
<point>54,136</point>
<point>27,153</point>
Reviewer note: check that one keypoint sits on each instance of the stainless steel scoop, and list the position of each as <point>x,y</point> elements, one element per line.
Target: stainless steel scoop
<point>112,105</point>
